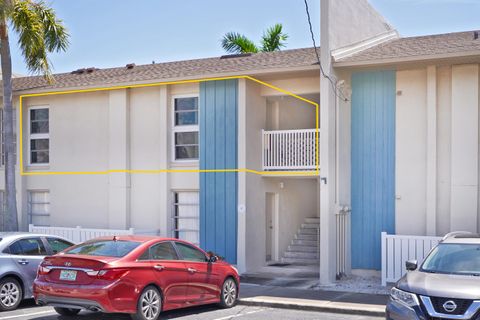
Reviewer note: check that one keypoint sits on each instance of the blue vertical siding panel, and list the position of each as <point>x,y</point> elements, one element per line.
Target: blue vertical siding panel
<point>210,164</point>
<point>220,138</point>
<point>218,150</point>
<point>373,165</point>
<point>203,195</point>
<point>231,122</point>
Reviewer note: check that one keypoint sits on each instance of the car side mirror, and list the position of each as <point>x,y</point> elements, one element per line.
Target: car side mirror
<point>212,259</point>
<point>411,265</point>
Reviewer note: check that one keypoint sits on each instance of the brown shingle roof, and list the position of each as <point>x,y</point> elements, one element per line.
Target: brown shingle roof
<point>174,70</point>
<point>415,47</point>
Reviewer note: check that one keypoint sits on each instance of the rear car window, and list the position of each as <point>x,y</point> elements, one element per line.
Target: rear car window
<point>160,251</point>
<point>107,248</point>
<point>28,247</point>
<point>58,245</point>
<point>189,253</point>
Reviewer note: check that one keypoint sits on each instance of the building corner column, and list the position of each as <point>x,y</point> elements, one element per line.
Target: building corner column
<point>165,194</point>
<point>327,153</point>
<point>119,159</point>
<point>242,177</point>
<point>431,183</point>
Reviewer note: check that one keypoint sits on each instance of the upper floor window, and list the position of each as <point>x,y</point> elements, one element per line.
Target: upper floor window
<point>39,135</point>
<point>185,128</point>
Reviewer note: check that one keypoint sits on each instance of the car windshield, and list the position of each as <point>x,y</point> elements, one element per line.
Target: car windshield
<point>107,248</point>
<point>453,258</point>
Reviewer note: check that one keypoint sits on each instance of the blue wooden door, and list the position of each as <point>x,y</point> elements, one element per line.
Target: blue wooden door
<point>372,164</point>
<point>218,151</point>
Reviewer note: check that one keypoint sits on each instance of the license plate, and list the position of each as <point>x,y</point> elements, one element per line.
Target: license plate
<point>68,275</point>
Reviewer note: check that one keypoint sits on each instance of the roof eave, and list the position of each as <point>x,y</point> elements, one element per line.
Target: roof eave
<point>421,58</point>
<point>257,72</point>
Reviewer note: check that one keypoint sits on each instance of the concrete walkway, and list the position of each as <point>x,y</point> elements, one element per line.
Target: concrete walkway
<point>316,300</point>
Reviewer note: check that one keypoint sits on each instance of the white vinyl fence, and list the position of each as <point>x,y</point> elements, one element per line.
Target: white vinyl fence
<point>80,234</point>
<point>397,249</point>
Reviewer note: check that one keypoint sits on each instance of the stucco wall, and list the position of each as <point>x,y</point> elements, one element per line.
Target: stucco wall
<point>297,196</point>
<point>411,143</point>
<point>437,136</point>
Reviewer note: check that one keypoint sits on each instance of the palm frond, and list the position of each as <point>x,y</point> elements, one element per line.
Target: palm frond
<point>39,33</point>
<point>55,34</point>
<point>234,42</point>
<point>274,38</point>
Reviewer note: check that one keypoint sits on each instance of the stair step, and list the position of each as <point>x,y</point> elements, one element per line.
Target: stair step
<point>301,242</point>
<point>311,225</point>
<point>301,248</point>
<point>300,255</point>
<point>312,220</point>
<point>301,261</point>
<point>308,231</point>
<point>312,237</point>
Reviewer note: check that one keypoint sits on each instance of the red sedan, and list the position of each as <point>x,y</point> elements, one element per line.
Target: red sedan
<point>141,276</point>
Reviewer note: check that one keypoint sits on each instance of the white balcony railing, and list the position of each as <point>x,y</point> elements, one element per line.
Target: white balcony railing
<point>289,150</point>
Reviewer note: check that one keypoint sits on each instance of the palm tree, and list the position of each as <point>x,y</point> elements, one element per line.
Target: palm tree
<point>39,33</point>
<point>272,40</point>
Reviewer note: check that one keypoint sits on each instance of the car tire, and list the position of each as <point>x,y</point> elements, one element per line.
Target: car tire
<point>11,292</point>
<point>229,293</point>
<point>149,305</point>
<point>69,312</point>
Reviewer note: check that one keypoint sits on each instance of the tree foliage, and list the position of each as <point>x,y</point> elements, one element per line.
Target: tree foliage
<point>273,39</point>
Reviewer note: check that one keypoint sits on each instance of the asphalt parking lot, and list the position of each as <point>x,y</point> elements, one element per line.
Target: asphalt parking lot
<point>29,311</point>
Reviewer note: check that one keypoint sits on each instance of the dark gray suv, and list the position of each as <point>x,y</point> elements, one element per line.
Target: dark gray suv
<point>445,286</point>
<point>20,255</point>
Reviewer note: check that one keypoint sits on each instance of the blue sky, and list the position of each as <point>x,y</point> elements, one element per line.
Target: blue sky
<point>109,33</point>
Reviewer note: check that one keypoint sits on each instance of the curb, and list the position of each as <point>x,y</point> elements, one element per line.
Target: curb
<point>319,306</point>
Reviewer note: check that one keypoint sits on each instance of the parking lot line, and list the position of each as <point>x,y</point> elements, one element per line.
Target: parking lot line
<point>240,314</point>
<point>27,315</point>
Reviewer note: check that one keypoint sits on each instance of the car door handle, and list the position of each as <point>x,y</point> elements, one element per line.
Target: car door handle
<point>23,262</point>
<point>191,270</point>
<point>159,267</point>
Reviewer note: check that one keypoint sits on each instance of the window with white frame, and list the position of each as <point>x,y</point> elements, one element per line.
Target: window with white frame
<point>39,207</point>
<point>39,147</point>
<point>186,222</point>
<point>185,128</point>
<point>2,144</point>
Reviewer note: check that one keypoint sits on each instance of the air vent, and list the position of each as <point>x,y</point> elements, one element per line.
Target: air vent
<point>232,56</point>
<point>84,70</point>
<point>79,71</point>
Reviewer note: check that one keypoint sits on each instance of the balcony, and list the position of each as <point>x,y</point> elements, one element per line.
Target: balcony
<point>289,150</point>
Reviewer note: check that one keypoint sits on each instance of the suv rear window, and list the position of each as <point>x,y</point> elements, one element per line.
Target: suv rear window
<point>106,248</point>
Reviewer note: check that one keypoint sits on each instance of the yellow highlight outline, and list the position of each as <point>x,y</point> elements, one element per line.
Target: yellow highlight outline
<point>105,172</point>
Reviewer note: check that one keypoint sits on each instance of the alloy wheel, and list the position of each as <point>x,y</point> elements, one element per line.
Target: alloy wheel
<point>9,294</point>
<point>150,304</point>
<point>229,292</point>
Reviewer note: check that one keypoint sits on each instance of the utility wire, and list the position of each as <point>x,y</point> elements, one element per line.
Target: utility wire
<point>334,85</point>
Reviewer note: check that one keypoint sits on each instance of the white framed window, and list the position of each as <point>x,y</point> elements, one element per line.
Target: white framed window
<point>39,135</point>
<point>2,144</point>
<point>185,135</point>
<point>186,216</point>
<point>38,207</point>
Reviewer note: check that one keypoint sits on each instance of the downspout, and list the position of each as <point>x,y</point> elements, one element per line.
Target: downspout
<point>342,211</point>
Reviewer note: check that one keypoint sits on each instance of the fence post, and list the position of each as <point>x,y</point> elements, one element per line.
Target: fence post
<point>384,259</point>
<point>131,231</point>
<point>30,228</point>
<point>77,234</point>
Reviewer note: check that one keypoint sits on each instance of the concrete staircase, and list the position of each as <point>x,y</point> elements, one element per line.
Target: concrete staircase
<point>303,249</point>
